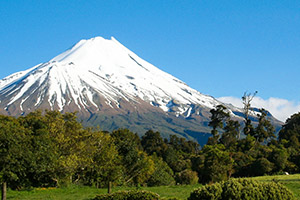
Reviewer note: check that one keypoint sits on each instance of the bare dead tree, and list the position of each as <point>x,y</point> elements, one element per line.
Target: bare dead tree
<point>246,99</point>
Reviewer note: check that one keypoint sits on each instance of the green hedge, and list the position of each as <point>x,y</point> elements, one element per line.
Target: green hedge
<point>246,189</point>
<point>129,195</point>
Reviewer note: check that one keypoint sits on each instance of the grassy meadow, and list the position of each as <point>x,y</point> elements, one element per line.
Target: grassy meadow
<point>88,193</point>
<point>180,191</point>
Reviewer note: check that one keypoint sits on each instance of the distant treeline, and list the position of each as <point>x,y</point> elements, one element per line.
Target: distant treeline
<point>54,149</point>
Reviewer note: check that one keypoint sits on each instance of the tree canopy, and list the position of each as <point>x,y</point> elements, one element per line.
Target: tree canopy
<point>44,149</point>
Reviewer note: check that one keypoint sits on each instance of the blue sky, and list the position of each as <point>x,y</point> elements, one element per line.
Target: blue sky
<point>221,48</point>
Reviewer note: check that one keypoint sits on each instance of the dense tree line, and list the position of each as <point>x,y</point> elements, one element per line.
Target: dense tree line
<point>259,152</point>
<point>54,149</point>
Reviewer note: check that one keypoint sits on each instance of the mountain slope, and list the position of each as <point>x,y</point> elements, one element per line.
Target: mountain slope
<point>110,86</point>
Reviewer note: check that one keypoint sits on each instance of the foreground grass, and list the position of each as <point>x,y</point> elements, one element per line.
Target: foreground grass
<point>182,192</point>
<point>88,193</point>
<point>81,193</point>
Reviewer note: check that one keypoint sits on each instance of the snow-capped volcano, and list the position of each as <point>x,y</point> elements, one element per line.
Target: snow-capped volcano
<point>111,86</point>
<point>93,69</point>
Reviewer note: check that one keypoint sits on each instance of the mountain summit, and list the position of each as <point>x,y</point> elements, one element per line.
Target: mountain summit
<point>110,86</point>
<point>94,73</point>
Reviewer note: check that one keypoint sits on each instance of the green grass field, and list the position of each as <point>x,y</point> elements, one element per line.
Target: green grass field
<point>182,192</point>
<point>87,193</point>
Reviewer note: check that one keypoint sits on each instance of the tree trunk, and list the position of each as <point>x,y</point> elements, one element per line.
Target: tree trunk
<point>109,188</point>
<point>4,189</point>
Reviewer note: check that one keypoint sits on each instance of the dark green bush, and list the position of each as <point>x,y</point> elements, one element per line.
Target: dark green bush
<point>129,195</point>
<point>187,177</point>
<point>242,189</point>
<point>275,190</point>
<point>209,192</point>
<point>246,189</point>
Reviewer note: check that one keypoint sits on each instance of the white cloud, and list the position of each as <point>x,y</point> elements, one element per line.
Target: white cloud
<point>279,108</point>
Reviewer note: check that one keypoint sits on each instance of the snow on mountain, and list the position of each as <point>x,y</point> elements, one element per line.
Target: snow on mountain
<point>99,69</point>
<point>110,86</point>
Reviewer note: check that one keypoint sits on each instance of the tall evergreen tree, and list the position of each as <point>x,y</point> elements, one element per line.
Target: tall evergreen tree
<point>264,130</point>
<point>218,117</point>
<point>289,137</point>
<point>246,99</point>
<point>152,142</point>
<point>290,132</point>
<point>231,133</point>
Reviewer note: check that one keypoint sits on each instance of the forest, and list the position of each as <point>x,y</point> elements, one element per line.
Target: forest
<point>51,149</point>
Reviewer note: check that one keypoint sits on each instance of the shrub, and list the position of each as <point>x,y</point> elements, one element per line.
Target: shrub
<point>187,177</point>
<point>245,189</point>
<point>236,189</point>
<point>129,195</point>
<point>275,190</point>
<point>211,192</point>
